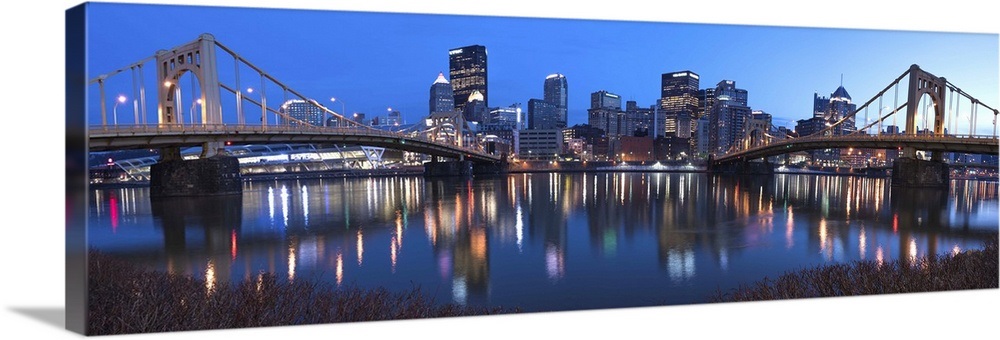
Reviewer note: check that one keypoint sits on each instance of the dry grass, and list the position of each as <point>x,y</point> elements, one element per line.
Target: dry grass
<point>975,269</point>
<point>126,299</point>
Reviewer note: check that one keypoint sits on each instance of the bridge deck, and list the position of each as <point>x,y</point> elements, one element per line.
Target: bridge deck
<point>119,137</point>
<point>960,144</point>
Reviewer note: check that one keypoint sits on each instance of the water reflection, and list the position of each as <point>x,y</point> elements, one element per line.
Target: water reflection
<point>543,241</point>
<point>205,225</point>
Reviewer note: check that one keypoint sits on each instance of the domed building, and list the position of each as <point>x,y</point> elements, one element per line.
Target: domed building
<point>475,108</point>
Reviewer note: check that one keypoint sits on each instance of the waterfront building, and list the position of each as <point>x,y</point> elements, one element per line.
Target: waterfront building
<point>302,111</point>
<point>635,149</point>
<point>540,144</point>
<point>672,148</point>
<point>577,147</point>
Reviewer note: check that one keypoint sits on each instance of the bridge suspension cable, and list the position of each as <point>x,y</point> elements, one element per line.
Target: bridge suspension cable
<point>286,89</point>
<point>863,106</point>
<point>879,120</point>
<point>895,103</point>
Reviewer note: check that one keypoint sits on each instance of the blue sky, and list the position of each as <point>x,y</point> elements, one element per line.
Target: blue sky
<point>372,61</point>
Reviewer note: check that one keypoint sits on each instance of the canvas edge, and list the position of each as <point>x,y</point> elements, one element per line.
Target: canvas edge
<point>76,170</point>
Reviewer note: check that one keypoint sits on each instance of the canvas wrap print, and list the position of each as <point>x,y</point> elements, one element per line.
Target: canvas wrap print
<point>242,174</point>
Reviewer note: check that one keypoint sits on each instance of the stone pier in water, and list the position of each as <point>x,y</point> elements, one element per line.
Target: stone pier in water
<point>917,173</point>
<point>463,168</point>
<point>742,168</point>
<point>216,175</point>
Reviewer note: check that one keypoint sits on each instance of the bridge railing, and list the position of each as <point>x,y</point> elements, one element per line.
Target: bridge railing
<point>236,129</point>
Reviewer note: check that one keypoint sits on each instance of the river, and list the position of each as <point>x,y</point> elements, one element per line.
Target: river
<point>542,241</point>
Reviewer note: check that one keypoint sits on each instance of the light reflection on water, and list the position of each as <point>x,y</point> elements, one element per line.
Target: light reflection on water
<point>542,241</point>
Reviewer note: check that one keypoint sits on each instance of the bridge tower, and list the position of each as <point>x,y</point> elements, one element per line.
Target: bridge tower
<point>922,83</point>
<point>908,170</point>
<point>213,173</point>
<point>198,58</point>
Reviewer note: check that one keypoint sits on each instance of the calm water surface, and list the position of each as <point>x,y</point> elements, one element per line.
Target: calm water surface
<point>542,241</point>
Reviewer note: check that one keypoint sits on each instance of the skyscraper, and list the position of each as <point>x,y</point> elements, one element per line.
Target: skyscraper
<point>841,106</point>
<point>679,94</point>
<point>829,111</point>
<point>467,71</point>
<point>835,108</point>
<point>442,97</point>
<point>606,113</point>
<point>557,94</point>
<point>820,105</point>
<point>605,99</point>
<point>728,117</point>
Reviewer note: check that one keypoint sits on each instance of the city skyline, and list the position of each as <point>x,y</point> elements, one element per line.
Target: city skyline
<point>39,70</point>
<point>522,59</point>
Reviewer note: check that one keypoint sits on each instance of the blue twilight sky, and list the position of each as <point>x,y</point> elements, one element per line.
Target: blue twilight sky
<point>371,61</point>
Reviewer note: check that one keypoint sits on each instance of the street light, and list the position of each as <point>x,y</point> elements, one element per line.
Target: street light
<point>191,111</point>
<point>262,115</point>
<point>114,110</point>
<point>343,108</point>
<point>263,106</point>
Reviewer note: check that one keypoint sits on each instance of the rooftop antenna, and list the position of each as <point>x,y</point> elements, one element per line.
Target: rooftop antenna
<point>841,79</point>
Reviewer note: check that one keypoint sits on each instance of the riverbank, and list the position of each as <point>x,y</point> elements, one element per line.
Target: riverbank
<point>974,269</point>
<point>125,299</point>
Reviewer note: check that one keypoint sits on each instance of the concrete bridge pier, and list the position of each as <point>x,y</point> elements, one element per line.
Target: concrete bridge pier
<point>742,167</point>
<point>216,174</point>
<point>442,169</point>
<point>464,168</point>
<point>487,169</point>
<point>918,173</point>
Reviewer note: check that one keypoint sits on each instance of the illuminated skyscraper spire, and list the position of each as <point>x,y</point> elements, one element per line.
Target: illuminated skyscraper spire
<point>442,96</point>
